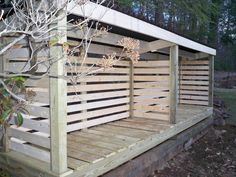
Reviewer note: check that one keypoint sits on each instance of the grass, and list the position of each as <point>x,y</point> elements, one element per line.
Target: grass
<point>229,96</point>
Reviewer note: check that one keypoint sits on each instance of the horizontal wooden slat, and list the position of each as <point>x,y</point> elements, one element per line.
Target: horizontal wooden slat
<point>194,67</point>
<point>104,78</point>
<point>151,78</point>
<point>91,114</point>
<point>94,122</point>
<point>151,70</point>
<point>156,108</point>
<point>193,87</point>
<point>192,92</point>
<point>97,104</point>
<point>97,87</point>
<point>195,62</point>
<point>90,60</point>
<point>185,77</point>
<point>30,137</point>
<point>151,92</point>
<point>42,126</point>
<point>152,100</point>
<point>196,73</point>
<point>32,151</point>
<point>95,96</point>
<point>194,102</point>
<point>38,111</point>
<point>97,70</point>
<point>191,97</point>
<point>19,67</point>
<point>155,85</point>
<point>194,82</point>
<point>151,64</point>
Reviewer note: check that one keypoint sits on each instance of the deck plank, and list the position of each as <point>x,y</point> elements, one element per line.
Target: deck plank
<point>96,142</point>
<point>152,122</point>
<point>114,135</point>
<point>76,164</point>
<point>124,131</point>
<point>112,140</point>
<point>128,138</point>
<point>84,156</point>
<point>90,149</point>
<point>137,125</point>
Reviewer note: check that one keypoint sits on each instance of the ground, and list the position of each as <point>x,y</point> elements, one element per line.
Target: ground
<point>214,155</point>
<point>229,96</point>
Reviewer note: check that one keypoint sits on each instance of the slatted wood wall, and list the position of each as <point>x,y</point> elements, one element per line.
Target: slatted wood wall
<point>151,89</point>
<point>100,98</point>
<point>32,138</point>
<point>97,99</point>
<point>194,82</point>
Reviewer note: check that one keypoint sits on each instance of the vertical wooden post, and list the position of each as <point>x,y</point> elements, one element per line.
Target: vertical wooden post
<point>4,138</point>
<point>58,98</point>
<point>131,95</point>
<point>174,57</point>
<point>211,80</point>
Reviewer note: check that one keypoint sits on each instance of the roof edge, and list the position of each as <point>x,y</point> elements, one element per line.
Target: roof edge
<point>119,19</point>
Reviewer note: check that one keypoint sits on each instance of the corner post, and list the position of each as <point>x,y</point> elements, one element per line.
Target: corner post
<point>174,59</point>
<point>4,138</point>
<point>58,97</point>
<point>211,80</point>
<point>131,89</point>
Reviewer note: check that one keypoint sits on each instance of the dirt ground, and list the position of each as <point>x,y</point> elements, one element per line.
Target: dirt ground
<point>214,155</point>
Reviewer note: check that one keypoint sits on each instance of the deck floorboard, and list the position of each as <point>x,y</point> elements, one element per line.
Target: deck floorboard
<point>101,148</point>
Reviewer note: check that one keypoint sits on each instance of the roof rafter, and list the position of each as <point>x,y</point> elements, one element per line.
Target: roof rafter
<point>155,45</point>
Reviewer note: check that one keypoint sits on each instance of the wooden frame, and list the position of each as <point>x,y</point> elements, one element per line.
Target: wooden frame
<point>141,96</point>
<point>174,59</point>
<point>58,100</point>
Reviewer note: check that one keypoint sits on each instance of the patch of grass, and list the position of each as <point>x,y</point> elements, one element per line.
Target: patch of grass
<point>229,96</point>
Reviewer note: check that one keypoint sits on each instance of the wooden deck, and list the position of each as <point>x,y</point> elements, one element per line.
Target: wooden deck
<point>94,151</point>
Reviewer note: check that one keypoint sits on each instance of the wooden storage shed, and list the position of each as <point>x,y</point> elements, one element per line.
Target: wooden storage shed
<point>117,114</point>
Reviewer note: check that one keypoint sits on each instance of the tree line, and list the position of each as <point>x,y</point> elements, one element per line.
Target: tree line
<point>212,22</point>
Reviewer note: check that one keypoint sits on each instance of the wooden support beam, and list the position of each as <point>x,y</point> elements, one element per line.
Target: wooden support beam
<point>155,45</point>
<point>4,136</point>
<point>131,89</point>
<point>112,39</point>
<point>211,80</point>
<point>201,55</point>
<point>58,100</point>
<point>174,58</point>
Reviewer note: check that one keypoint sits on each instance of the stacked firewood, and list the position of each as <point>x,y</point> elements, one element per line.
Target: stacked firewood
<point>220,111</point>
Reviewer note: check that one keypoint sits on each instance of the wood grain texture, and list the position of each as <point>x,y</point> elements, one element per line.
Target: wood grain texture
<point>195,81</point>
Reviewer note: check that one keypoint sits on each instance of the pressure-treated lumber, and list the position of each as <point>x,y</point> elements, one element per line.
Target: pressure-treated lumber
<point>99,149</point>
<point>211,80</point>
<point>155,45</point>
<point>174,59</point>
<point>149,133</point>
<point>58,100</point>
<point>4,136</point>
<point>194,82</point>
<point>131,89</point>
<point>157,157</point>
